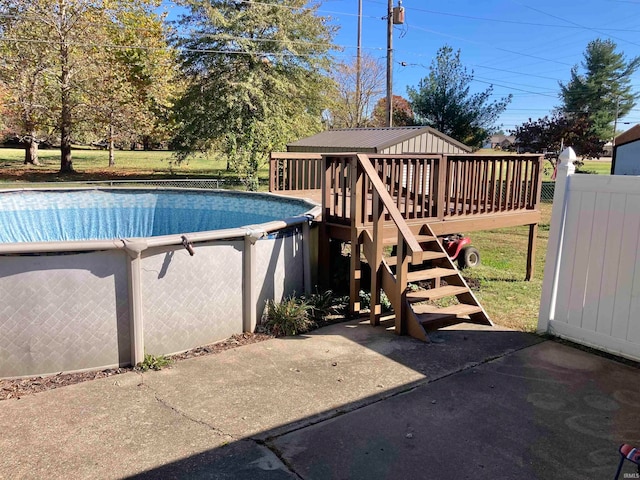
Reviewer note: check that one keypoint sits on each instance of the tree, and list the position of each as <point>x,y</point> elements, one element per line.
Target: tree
<point>254,78</point>
<point>142,78</point>
<point>23,74</point>
<point>402,113</point>
<point>444,101</point>
<point>603,93</point>
<point>351,109</point>
<point>73,45</point>
<point>550,134</point>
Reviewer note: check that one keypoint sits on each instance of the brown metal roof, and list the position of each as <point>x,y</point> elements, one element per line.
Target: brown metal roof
<point>355,139</point>
<point>629,136</point>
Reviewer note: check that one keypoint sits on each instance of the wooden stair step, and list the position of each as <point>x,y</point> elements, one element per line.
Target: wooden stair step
<point>430,273</point>
<point>435,293</point>
<point>420,238</point>
<point>430,313</point>
<point>426,255</point>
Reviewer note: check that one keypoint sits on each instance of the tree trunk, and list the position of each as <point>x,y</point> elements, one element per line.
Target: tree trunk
<point>146,143</point>
<point>112,156</point>
<point>66,162</point>
<point>31,151</point>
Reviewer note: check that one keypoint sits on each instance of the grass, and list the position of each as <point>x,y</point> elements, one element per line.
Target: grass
<point>94,165</point>
<point>507,298</point>
<point>600,167</point>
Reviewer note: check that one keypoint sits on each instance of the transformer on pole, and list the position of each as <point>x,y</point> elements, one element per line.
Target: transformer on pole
<point>395,16</point>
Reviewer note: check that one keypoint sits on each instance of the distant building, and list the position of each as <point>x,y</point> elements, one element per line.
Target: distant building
<point>502,142</point>
<point>389,140</point>
<point>626,153</point>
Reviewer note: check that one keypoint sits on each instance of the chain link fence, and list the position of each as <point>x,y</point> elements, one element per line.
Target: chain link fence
<point>548,189</point>
<point>206,183</point>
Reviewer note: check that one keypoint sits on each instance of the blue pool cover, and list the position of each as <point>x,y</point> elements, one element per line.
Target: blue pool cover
<point>43,216</point>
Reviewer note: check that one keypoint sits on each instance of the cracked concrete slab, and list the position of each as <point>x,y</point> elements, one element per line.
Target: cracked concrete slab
<point>209,417</point>
<point>547,412</point>
<point>241,460</point>
<point>107,428</point>
<point>269,388</point>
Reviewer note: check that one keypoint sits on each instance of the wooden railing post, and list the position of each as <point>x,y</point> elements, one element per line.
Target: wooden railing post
<point>376,272</point>
<point>273,172</point>
<point>324,258</point>
<point>443,186</point>
<point>402,270</point>
<point>356,177</point>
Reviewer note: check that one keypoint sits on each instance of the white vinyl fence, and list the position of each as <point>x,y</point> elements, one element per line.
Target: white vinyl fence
<point>591,289</point>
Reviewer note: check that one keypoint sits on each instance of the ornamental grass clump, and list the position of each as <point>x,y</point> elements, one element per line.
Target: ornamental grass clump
<point>288,317</point>
<point>325,304</point>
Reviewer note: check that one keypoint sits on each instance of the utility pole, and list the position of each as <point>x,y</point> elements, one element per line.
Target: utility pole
<point>359,68</point>
<point>395,16</point>
<point>389,63</point>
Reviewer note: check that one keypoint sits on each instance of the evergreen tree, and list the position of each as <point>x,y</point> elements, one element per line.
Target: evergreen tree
<point>254,74</point>
<point>603,92</point>
<point>444,101</point>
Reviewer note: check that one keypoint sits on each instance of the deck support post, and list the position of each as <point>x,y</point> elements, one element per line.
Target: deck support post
<point>376,272</point>
<point>356,208</point>
<point>402,270</point>
<point>531,251</point>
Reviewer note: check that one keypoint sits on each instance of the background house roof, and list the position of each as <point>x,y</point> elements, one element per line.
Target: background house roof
<point>369,139</point>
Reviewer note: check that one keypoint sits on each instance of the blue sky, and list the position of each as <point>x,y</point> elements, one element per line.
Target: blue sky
<point>522,47</point>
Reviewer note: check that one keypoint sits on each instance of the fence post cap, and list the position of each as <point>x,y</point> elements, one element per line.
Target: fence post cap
<point>568,155</point>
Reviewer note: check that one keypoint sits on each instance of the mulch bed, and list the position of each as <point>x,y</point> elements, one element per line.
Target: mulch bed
<point>26,386</point>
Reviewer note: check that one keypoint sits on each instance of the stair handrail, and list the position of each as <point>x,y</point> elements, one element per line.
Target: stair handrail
<point>404,232</point>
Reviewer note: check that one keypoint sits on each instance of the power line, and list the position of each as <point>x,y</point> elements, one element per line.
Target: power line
<point>142,47</point>
<point>512,22</point>
<point>571,22</point>
<point>492,46</point>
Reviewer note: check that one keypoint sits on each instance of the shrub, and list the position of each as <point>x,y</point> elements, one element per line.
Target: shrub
<point>321,305</point>
<point>288,317</point>
<point>153,362</point>
<point>365,300</point>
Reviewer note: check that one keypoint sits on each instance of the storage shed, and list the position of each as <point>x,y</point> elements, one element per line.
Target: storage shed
<point>391,140</point>
<point>626,153</point>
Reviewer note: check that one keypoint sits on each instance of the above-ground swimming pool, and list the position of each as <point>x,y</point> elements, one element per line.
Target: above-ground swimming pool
<point>94,278</point>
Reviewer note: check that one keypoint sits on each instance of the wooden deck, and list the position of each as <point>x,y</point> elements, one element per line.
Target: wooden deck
<point>453,194</point>
<point>368,199</point>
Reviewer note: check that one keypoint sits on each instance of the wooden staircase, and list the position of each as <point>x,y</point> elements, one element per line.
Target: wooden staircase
<point>424,287</point>
<point>436,293</point>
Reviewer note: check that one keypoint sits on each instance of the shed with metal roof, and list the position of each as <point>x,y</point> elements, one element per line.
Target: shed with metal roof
<point>388,140</point>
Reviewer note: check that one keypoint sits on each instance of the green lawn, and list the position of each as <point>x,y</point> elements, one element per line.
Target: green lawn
<point>601,167</point>
<point>94,165</point>
<point>499,282</point>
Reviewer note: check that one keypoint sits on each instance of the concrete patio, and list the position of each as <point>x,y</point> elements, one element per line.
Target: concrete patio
<point>348,402</point>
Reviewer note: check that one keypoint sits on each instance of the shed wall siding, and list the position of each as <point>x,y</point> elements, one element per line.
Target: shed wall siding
<point>425,143</point>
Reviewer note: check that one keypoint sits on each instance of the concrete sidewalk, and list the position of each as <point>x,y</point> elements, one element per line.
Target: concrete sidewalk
<point>347,401</point>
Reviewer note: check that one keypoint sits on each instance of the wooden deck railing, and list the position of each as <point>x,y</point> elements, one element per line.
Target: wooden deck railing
<point>295,171</point>
<point>429,187</point>
<point>489,184</point>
